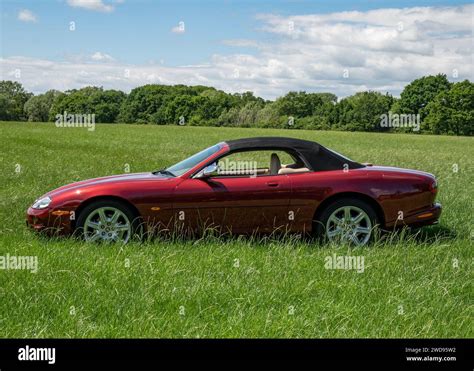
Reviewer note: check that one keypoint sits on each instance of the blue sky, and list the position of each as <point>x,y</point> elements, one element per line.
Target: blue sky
<point>240,43</point>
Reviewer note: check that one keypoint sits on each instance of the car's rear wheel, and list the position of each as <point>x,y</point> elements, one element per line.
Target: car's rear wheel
<point>348,220</point>
<point>107,221</point>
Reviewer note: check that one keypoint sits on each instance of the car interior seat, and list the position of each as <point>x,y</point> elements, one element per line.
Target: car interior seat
<point>275,164</point>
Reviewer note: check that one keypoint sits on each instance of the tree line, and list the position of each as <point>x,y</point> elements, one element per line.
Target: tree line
<point>430,104</point>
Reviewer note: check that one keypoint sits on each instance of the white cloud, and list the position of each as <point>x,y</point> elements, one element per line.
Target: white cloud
<point>26,15</point>
<point>96,5</point>
<point>381,50</point>
<point>101,57</point>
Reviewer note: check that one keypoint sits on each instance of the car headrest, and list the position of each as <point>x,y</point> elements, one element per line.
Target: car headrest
<point>275,164</point>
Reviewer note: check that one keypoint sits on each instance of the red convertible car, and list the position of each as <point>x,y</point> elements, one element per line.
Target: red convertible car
<point>245,186</point>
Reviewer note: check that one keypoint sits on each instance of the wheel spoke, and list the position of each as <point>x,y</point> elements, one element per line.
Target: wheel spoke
<point>334,233</point>
<point>115,217</point>
<point>362,230</point>
<point>92,225</point>
<point>95,237</point>
<point>122,227</point>
<point>347,214</point>
<point>354,239</point>
<point>335,220</point>
<point>102,216</point>
<point>358,218</point>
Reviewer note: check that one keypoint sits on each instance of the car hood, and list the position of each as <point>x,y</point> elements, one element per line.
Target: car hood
<point>108,180</point>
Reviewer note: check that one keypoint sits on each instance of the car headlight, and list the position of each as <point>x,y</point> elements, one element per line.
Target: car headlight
<point>42,203</point>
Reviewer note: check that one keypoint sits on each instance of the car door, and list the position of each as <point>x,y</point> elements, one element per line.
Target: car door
<point>307,191</point>
<point>243,204</point>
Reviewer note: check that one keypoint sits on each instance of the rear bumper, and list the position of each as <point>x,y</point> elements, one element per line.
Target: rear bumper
<point>421,218</point>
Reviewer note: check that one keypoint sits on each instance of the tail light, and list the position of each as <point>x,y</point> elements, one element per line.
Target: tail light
<point>434,187</point>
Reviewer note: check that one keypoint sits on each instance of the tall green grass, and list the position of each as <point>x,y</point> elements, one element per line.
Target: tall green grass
<point>413,284</point>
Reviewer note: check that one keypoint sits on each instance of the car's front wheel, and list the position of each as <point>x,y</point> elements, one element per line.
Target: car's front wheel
<point>107,221</point>
<point>348,220</point>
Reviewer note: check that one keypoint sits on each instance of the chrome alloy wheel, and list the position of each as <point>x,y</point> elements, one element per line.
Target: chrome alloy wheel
<point>349,224</point>
<point>107,224</point>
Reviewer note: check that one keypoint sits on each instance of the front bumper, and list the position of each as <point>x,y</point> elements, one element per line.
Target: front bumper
<point>49,221</point>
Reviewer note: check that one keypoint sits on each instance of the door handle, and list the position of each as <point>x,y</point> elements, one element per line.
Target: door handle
<point>272,184</point>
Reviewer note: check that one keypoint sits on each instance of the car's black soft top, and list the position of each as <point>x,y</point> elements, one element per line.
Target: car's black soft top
<point>315,156</point>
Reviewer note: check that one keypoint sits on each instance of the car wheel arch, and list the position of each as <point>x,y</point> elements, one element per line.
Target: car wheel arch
<point>360,196</point>
<point>91,200</point>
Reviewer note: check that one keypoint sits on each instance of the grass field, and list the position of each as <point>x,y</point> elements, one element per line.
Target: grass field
<point>417,285</point>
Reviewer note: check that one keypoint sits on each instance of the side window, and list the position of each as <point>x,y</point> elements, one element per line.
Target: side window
<point>254,163</point>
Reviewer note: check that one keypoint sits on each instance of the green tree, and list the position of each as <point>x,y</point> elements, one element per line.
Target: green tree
<point>12,100</point>
<point>245,116</point>
<point>446,108</point>
<point>327,97</point>
<point>104,104</point>
<point>420,92</point>
<point>217,101</point>
<point>162,104</point>
<point>142,103</point>
<point>452,112</point>
<point>242,99</point>
<point>268,116</point>
<point>298,104</point>
<point>302,104</point>
<point>181,107</point>
<point>362,111</point>
<point>38,107</point>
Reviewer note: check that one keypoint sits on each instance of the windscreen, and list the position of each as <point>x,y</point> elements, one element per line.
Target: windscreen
<point>184,166</point>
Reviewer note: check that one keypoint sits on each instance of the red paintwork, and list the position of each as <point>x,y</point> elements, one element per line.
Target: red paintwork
<point>245,205</point>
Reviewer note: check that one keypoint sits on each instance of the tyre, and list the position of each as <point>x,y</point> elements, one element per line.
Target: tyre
<point>107,221</point>
<point>348,220</point>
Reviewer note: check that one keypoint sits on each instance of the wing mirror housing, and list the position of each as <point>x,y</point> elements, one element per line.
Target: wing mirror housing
<point>208,171</point>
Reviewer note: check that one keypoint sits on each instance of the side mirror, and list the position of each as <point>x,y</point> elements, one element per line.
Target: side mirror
<point>208,171</point>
